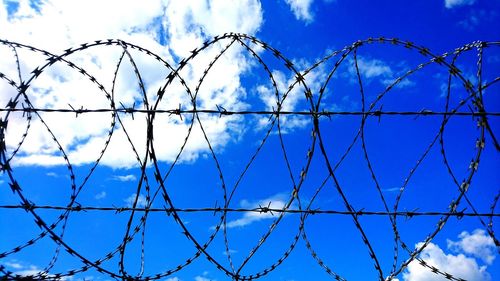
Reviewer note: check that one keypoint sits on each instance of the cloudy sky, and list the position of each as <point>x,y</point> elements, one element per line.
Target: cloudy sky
<point>254,160</point>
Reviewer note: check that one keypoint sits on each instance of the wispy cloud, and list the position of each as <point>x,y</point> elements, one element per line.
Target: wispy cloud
<point>370,68</point>
<point>277,201</point>
<point>476,17</point>
<point>52,174</point>
<point>29,271</point>
<point>100,195</point>
<point>301,9</point>
<point>141,200</point>
<point>267,95</point>
<point>457,3</point>
<point>391,189</point>
<point>203,277</point>
<point>124,178</point>
<point>230,252</point>
<point>462,265</point>
<point>24,269</point>
<point>14,265</point>
<point>379,70</point>
<point>295,99</point>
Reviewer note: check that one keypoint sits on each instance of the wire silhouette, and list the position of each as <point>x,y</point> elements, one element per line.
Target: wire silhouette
<point>157,187</point>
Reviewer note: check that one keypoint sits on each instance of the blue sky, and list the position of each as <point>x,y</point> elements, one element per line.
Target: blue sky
<point>304,31</point>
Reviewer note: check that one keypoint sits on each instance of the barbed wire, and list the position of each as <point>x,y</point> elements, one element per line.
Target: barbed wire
<point>473,105</point>
<point>409,214</point>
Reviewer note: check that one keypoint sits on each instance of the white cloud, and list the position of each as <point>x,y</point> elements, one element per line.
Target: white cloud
<point>169,28</point>
<point>125,178</point>
<point>52,174</point>
<point>295,99</point>
<point>268,97</point>
<point>277,201</point>
<point>477,244</point>
<point>231,251</point>
<point>141,200</point>
<point>301,9</point>
<point>31,270</point>
<point>460,265</point>
<point>203,277</point>
<point>391,189</point>
<point>476,17</point>
<point>14,265</point>
<point>471,22</point>
<point>173,279</point>
<point>457,3</point>
<point>189,23</point>
<point>69,24</point>
<point>371,69</point>
<point>100,195</point>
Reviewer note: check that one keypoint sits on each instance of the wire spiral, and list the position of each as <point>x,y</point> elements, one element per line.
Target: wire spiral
<point>154,174</point>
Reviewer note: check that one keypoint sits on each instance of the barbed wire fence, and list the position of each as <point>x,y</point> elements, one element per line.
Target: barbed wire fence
<point>21,103</point>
